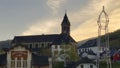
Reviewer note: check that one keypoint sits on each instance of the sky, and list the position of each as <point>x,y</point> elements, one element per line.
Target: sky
<point>36,17</point>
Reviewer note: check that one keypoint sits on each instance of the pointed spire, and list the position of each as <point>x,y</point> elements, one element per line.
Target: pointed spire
<point>103,8</point>
<point>103,15</point>
<point>65,25</point>
<point>103,11</point>
<point>65,20</point>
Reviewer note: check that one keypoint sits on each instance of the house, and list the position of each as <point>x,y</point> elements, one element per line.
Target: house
<point>90,45</point>
<point>88,49</point>
<point>21,57</point>
<point>116,56</point>
<point>82,63</point>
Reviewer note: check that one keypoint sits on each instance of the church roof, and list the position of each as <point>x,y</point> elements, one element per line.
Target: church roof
<point>55,39</point>
<point>65,20</point>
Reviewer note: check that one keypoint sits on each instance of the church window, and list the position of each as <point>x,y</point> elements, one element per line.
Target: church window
<point>36,45</point>
<point>33,46</point>
<point>30,45</point>
<point>82,66</point>
<point>39,46</point>
<point>91,66</point>
<point>46,44</point>
<point>42,45</point>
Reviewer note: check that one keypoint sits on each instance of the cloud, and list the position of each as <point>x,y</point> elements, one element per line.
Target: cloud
<point>55,4</point>
<point>85,19</point>
<point>42,27</point>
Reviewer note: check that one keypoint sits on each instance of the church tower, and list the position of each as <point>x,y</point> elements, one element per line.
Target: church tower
<point>65,25</point>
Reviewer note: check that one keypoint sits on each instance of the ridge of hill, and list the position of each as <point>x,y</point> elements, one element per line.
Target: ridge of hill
<point>114,40</point>
<point>5,44</point>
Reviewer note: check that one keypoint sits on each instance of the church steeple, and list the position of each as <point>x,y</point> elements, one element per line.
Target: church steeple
<point>65,25</point>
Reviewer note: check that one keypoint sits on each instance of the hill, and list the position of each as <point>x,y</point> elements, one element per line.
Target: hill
<point>5,44</point>
<point>114,40</point>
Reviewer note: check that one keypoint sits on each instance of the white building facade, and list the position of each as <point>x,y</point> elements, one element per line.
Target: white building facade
<point>18,57</point>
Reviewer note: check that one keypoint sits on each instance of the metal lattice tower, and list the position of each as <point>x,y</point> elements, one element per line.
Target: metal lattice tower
<point>103,22</point>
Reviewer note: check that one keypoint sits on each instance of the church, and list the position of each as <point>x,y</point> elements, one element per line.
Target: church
<point>25,51</point>
<point>37,42</point>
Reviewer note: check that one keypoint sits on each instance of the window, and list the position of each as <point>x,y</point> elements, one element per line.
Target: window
<point>85,50</point>
<point>30,45</point>
<point>82,66</point>
<point>48,44</point>
<point>56,47</point>
<point>33,45</point>
<point>89,49</point>
<point>39,46</point>
<point>36,45</point>
<point>45,45</point>
<point>42,45</point>
<point>81,50</point>
<point>91,66</point>
<point>18,63</point>
<point>12,63</point>
<point>24,63</point>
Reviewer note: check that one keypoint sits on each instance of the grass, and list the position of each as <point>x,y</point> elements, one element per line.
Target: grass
<point>114,65</point>
<point>58,65</point>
